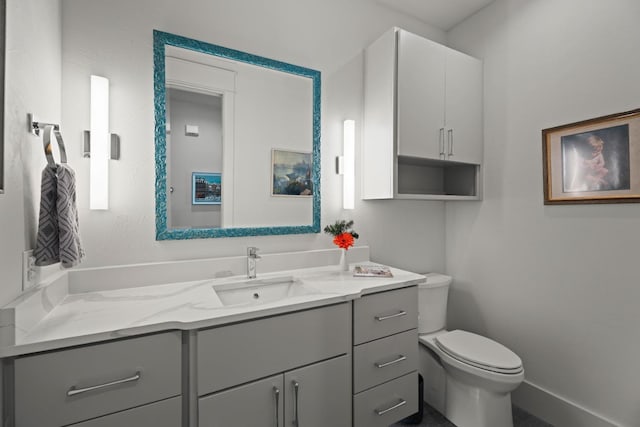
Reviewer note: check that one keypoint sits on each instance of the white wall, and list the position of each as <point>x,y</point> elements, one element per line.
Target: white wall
<point>33,86</point>
<point>114,39</point>
<point>189,153</point>
<point>557,284</point>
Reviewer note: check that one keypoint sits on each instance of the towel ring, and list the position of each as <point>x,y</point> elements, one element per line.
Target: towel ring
<point>46,142</point>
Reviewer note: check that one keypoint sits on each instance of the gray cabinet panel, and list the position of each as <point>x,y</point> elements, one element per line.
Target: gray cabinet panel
<point>385,313</point>
<point>251,405</point>
<point>42,381</point>
<point>167,413</point>
<point>243,352</point>
<point>323,397</point>
<point>382,405</point>
<point>382,360</point>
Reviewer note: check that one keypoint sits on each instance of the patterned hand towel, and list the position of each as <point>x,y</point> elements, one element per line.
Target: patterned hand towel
<point>47,250</point>
<point>58,237</point>
<point>71,251</point>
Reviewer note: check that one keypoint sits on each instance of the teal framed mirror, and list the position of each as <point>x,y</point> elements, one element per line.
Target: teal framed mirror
<point>237,142</point>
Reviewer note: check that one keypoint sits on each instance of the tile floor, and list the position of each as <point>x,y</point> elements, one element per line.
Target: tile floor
<point>433,418</point>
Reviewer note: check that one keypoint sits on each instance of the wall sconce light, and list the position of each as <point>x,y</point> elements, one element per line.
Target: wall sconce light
<point>100,145</point>
<point>348,164</point>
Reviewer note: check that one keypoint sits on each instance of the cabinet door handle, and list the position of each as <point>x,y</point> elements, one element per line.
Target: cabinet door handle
<point>396,406</point>
<point>399,314</point>
<point>73,390</point>
<point>296,414</point>
<point>276,394</point>
<point>400,358</point>
<point>441,142</point>
<point>450,141</point>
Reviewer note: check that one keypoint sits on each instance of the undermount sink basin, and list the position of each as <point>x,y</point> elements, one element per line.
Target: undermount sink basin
<point>261,291</point>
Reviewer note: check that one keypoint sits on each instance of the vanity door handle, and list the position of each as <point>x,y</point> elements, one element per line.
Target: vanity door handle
<point>74,391</point>
<point>296,414</point>
<point>400,358</point>
<point>276,394</point>
<point>399,314</point>
<point>450,141</point>
<point>396,406</point>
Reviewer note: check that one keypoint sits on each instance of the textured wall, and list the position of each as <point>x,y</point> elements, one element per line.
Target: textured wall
<point>33,86</point>
<point>114,39</point>
<point>557,284</point>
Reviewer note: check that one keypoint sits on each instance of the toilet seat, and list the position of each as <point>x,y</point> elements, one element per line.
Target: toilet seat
<point>479,351</point>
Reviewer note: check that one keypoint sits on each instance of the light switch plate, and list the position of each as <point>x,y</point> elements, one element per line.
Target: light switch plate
<point>29,270</point>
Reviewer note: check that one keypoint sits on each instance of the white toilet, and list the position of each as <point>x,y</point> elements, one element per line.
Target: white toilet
<point>467,377</point>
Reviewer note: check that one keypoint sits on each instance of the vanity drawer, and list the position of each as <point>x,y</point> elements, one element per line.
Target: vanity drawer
<point>382,360</point>
<point>68,386</point>
<point>236,354</point>
<point>166,413</point>
<point>385,313</point>
<point>383,405</point>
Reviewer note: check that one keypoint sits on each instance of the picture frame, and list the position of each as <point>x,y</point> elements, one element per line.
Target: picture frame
<point>206,188</point>
<point>593,161</point>
<point>291,173</point>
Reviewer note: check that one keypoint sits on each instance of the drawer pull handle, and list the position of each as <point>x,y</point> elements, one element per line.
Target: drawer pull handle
<point>396,406</point>
<point>296,414</point>
<point>393,362</point>
<point>276,393</point>
<point>400,314</point>
<point>73,390</point>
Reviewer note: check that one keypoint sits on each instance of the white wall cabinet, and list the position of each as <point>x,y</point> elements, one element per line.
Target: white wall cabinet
<point>423,120</point>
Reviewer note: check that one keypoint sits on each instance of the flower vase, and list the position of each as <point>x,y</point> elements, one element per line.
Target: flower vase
<point>344,265</point>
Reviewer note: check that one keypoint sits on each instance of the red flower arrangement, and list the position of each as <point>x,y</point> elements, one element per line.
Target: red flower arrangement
<point>344,236</point>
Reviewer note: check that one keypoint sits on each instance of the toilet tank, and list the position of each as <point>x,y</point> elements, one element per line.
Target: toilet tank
<point>432,303</point>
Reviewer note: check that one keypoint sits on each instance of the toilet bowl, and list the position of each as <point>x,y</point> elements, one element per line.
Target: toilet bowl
<point>468,377</point>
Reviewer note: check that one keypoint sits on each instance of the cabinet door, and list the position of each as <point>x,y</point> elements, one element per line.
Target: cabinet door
<point>257,404</point>
<point>319,395</point>
<point>464,134</point>
<point>421,96</point>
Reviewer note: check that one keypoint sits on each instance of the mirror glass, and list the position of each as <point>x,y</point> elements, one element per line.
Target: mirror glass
<point>237,141</point>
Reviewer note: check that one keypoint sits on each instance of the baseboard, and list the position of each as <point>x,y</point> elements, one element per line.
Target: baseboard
<point>555,409</point>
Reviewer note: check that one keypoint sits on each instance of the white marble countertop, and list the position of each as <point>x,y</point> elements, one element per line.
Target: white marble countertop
<point>89,317</point>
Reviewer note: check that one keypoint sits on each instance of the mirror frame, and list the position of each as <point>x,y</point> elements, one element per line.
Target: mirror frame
<point>162,39</point>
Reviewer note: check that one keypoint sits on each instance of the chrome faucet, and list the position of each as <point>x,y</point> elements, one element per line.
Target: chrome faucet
<point>252,257</point>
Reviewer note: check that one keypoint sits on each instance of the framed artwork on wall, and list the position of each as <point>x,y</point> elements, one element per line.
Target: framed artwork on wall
<point>206,188</point>
<point>291,173</point>
<point>593,161</point>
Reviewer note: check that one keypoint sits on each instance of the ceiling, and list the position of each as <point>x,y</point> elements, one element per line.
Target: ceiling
<point>443,14</point>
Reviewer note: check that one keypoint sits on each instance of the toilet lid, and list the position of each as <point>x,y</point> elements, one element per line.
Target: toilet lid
<point>479,351</point>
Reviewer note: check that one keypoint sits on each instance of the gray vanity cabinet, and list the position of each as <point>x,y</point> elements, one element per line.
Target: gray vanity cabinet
<point>322,395</point>
<point>273,371</point>
<point>259,403</point>
<point>385,357</point>
<point>166,413</point>
<point>64,387</point>
<point>312,396</point>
